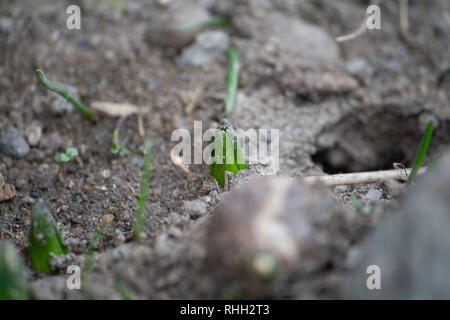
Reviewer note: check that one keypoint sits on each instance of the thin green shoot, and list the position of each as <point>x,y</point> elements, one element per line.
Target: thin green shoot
<point>143,193</point>
<point>233,79</point>
<point>2,181</point>
<point>89,263</point>
<point>366,209</point>
<point>116,147</point>
<point>44,239</point>
<point>53,86</point>
<point>216,21</point>
<point>423,148</point>
<point>123,292</point>
<point>442,76</point>
<point>12,273</point>
<point>119,5</point>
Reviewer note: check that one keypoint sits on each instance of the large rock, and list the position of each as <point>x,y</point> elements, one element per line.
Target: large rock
<point>412,247</point>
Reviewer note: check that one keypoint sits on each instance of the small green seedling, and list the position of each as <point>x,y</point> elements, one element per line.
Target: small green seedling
<point>115,146</point>
<point>12,274</point>
<point>89,263</point>
<point>44,239</point>
<point>216,21</point>
<point>442,76</point>
<point>233,79</point>
<point>123,292</point>
<point>119,5</point>
<point>366,209</point>
<point>231,158</point>
<point>53,86</point>
<point>143,193</point>
<point>65,157</point>
<point>423,148</point>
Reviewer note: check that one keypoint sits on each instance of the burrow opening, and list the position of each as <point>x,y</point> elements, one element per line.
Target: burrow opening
<point>376,139</point>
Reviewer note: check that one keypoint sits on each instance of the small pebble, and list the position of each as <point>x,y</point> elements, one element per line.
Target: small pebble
<point>373,195</point>
<point>108,218</point>
<point>106,173</point>
<point>13,143</point>
<point>195,208</point>
<point>34,133</point>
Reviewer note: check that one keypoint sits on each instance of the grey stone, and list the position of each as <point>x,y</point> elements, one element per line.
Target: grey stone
<point>13,143</point>
<point>207,46</point>
<point>411,247</point>
<point>373,195</point>
<point>195,208</point>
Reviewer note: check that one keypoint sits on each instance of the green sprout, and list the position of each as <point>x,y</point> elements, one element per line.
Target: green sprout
<point>115,146</point>
<point>44,239</point>
<point>119,5</point>
<point>216,21</point>
<point>89,263</point>
<point>227,154</point>
<point>65,157</point>
<point>366,209</point>
<point>423,148</point>
<point>123,292</point>
<point>2,181</point>
<point>12,274</point>
<point>53,86</point>
<point>143,193</point>
<point>233,79</point>
<point>442,76</point>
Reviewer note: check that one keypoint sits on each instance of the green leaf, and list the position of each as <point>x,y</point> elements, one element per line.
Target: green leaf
<point>44,239</point>
<point>12,274</point>
<point>71,152</point>
<point>423,148</point>
<point>63,158</point>
<point>231,159</point>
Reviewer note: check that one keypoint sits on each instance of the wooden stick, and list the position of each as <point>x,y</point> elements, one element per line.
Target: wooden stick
<point>361,177</point>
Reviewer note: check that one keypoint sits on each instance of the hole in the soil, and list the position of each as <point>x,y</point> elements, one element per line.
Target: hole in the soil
<point>375,140</point>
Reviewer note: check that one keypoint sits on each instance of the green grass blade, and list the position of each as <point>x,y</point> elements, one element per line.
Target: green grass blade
<point>53,86</point>
<point>119,5</point>
<point>442,76</point>
<point>233,79</point>
<point>423,148</point>
<point>44,239</point>
<point>12,274</point>
<point>123,292</point>
<point>217,21</point>
<point>143,193</point>
<point>93,245</point>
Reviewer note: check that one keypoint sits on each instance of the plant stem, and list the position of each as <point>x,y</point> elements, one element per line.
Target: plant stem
<point>143,193</point>
<point>53,86</point>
